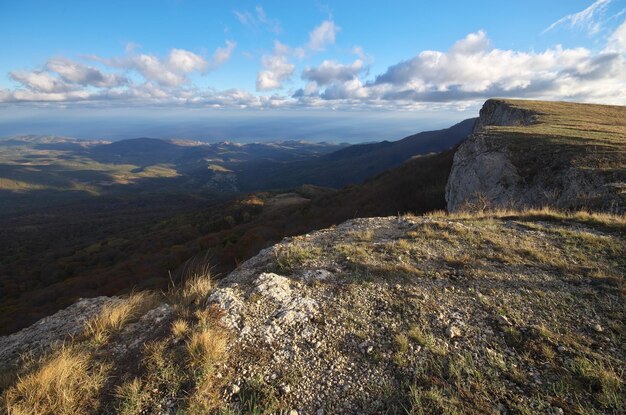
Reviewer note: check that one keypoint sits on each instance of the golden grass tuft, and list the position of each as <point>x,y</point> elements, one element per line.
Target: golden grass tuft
<point>608,220</point>
<point>197,285</point>
<point>132,396</point>
<point>427,340</point>
<point>66,382</point>
<point>206,346</point>
<point>180,328</point>
<point>196,290</point>
<point>293,256</point>
<point>114,317</point>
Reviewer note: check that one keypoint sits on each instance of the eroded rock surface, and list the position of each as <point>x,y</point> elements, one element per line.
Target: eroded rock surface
<point>514,169</point>
<point>52,330</point>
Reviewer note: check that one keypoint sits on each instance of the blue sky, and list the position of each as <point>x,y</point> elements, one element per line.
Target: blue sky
<point>426,63</point>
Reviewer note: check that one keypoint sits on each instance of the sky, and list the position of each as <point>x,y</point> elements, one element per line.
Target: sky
<point>344,70</point>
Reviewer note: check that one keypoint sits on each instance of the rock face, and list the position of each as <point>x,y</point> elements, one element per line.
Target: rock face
<point>52,330</point>
<point>496,112</point>
<point>507,163</point>
<point>59,328</point>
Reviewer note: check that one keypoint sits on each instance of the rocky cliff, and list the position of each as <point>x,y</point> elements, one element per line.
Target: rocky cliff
<point>530,154</point>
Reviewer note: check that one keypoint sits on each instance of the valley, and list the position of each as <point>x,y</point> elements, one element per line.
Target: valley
<point>81,219</point>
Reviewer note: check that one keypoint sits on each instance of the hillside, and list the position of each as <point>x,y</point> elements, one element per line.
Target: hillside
<point>51,171</point>
<point>352,164</point>
<point>534,153</point>
<point>51,259</point>
<point>479,313</point>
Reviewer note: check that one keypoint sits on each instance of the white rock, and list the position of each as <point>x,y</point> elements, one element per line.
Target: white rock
<point>453,331</point>
<point>273,286</point>
<point>230,301</point>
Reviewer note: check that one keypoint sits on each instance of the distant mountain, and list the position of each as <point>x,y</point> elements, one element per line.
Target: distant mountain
<point>350,165</point>
<point>141,151</point>
<point>188,155</point>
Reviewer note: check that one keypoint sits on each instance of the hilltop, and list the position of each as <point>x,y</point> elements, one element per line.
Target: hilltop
<point>535,153</point>
<point>475,313</point>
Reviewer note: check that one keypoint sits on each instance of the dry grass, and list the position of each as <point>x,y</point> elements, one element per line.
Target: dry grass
<point>295,255</point>
<point>195,290</point>
<point>365,235</point>
<point>197,285</point>
<point>608,220</point>
<point>581,135</point>
<point>180,328</point>
<point>602,379</point>
<point>427,340</point>
<point>113,318</point>
<point>133,397</point>
<point>73,380</point>
<point>66,382</point>
<point>206,346</point>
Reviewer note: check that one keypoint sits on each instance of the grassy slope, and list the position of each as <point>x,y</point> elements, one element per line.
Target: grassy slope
<point>586,135</point>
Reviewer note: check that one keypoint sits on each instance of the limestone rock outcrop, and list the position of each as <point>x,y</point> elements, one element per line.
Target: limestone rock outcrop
<point>511,161</point>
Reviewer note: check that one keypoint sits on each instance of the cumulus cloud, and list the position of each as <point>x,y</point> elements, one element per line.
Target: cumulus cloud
<point>323,35</point>
<point>588,19</point>
<point>75,72</point>
<point>472,68</point>
<point>331,71</point>
<point>181,60</point>
<point>40,81</point>
<point>222,54</point>
<point>617,40</point>
<point>276,69</point>
<point>173,70</point>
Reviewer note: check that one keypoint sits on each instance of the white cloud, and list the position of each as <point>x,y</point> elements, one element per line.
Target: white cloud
<point>587,19</point>
<point>75,72</point>
<point>183,61</point>
<point>222,54</point>
<point>40,81</point>
<point>471,70</point>
<point>351,89</point>
<point>173,70</point>
<point>258,20</point>
<point>331,71</point>
<point>276,68</point>
<point>617,40</point>
<point>323,35</point>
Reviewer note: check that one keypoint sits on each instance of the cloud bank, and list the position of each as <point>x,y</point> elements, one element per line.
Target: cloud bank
<point>470,70</point>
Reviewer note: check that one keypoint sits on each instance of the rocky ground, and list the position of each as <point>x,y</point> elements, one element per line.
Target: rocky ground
<point>389,315</point>
<point>501,313</point>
